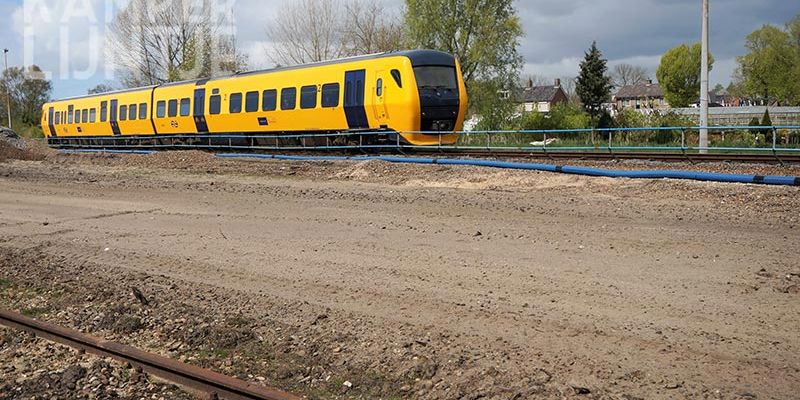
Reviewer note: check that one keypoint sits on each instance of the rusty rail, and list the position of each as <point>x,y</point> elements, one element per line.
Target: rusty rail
<point>195,379</point>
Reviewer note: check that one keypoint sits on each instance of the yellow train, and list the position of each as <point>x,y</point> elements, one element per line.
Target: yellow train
<point>402,93</point>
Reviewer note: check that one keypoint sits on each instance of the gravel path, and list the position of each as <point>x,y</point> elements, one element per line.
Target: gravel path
<point>367,280</point>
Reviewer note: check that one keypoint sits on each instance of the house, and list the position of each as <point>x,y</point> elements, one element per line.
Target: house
<point>540,98</point>
<point>641,96</point>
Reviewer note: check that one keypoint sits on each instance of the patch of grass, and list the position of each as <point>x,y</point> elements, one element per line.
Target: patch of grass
<point>5,284</point>
<point>211,354</point>
<point>34,312</point>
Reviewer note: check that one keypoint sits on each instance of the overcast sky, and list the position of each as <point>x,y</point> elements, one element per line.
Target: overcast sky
<point>556,33</point>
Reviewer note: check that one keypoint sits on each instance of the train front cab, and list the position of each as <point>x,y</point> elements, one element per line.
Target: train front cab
<point>442,98</point>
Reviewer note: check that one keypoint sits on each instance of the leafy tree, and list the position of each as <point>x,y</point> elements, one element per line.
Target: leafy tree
<point>593,86</point>
<point>484,35</point>
<point>679,74</point>
<point>771,67</point>
<point>766,120</point>
<point>29,91</point>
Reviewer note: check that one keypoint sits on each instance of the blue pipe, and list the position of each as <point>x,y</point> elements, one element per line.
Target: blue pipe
<point>634,174</point>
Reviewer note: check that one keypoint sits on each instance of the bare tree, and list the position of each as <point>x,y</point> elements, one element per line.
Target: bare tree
<point>531,80</point>
<point>171,40</point>
<point>306,31</point>
<point>369,28</point>
<point>331,29</point>
<point>627,75</point>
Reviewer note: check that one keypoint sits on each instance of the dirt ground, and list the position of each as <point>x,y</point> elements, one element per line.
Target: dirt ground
<point>374,280</point>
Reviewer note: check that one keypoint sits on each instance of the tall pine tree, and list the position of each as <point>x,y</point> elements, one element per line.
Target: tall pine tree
<point>593,86</point>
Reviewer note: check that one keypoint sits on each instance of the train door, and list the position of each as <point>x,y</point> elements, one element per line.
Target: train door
<point>354,99</point>
<point>200,111</point>
<point>112,117</point>
<point>50,118</point>
<point>379,98</point>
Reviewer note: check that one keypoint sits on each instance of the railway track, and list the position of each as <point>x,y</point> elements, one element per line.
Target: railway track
<point>199,381</point>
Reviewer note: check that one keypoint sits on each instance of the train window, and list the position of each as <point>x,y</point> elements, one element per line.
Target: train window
<point>330,95</point>
<point>69,115</point>
<point>132,112</point>
<point>77,116</point>
<point>185,107</point>
<point>58,118</point>
<point>396,75</point>
<point>379,87</point>
<point>308,97</point>
<point>161,109</point>
<point>269,99</point>
<point>172,108</point>
<point>92,115</point>
<point>103,111</point>
<point>288,98</point>
<point>251,102</point>
<point>85,115</point>
<point>214,104</point>
<point>123,113</point>
<point>142,110</point>
<point>235,105</point>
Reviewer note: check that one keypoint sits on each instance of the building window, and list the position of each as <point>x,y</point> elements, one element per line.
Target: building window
<point>330,95</point>
<point>235,106</point>
<point>288,98</point>
<point>172,108</point>
<point>251,102</point>
<point>143,111</point>
<point>214,104</point>
<point>269,99</point>
<point>161,108</point>
<point>185,107</point>
<point>308,97</point>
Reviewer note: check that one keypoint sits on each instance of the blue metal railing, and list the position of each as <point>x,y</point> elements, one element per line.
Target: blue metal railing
<point>600,139</point>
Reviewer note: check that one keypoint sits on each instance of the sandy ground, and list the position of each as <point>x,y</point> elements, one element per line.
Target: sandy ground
<point>371,280</point>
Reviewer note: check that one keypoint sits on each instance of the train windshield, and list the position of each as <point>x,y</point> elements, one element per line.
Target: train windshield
<point>436,77</point>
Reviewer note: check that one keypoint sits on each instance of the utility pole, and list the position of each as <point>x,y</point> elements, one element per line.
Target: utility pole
<point>8,91</point>
<point>704,83</point>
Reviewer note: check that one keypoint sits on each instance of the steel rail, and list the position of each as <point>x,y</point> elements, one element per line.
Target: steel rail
<point>195,379</point>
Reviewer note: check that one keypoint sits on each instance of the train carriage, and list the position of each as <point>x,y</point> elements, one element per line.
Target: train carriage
<point>404,92</point>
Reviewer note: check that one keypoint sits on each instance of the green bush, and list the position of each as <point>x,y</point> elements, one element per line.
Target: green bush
<point>31,132</point>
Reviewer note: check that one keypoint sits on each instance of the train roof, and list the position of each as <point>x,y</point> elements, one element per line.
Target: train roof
<point>88,96</point>
<point>417,57</point>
